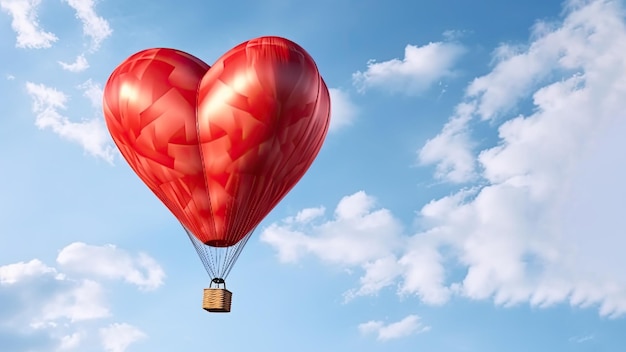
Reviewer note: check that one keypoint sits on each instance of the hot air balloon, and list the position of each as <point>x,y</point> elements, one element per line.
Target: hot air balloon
<point>220,146</point>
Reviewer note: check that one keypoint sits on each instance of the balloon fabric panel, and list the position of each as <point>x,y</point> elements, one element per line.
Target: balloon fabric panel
<point>149,107</point>
<point>256,113</point>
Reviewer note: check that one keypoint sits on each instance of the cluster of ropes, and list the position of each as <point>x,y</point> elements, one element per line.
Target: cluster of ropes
<point>218,261</point>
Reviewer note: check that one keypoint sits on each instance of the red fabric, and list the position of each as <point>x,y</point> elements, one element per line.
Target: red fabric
<point>220,147</point>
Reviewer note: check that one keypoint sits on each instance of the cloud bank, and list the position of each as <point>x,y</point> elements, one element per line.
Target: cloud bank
<point>542,223</point>
<point>58,308</point>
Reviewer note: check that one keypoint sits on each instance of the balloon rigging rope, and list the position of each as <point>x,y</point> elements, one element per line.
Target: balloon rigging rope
<point>208,255</point>
<point>232,220</point>
<point>218,261</point>
<point>201,253</point>
<point>237,251</point>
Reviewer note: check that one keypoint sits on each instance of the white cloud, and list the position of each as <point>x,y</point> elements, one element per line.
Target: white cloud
<point>25,24</point>
<point>307,215</point>
<point>113,263</point>
<point>93,92</point>
<point>582,43</point>
<point>530,235</point>
<point>569,48</point>
<point>423,272</point>
<point>41,302</point>
<point>90,134</point>
<point>94,26</point>
<point>83,301</point>
<point>357,234</point>
<point>581,339</point>
<point>545,223</point>
<point>47,308</point>
<point>12,273</point>
<point>79,65</point>
<point>343,110</point>
<point>379,273</point>
<point>70,342</point>
<point>410,325</point>
<point>451,150</point>
<point>118,337</point>
<point>455,34</point>
<point>10,77</point>
<point>419,70</point>
<point>513,76</point>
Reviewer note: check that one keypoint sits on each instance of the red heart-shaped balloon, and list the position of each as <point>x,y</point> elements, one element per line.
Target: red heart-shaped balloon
<point>220,146</point>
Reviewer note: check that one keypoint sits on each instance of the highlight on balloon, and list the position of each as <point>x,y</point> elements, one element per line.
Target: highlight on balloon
<point>219,145</point>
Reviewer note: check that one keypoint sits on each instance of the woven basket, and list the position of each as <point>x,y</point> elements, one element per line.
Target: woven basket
<point>217,300</point>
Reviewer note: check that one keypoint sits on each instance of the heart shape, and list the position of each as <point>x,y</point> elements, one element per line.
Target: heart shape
<point>219,146</point>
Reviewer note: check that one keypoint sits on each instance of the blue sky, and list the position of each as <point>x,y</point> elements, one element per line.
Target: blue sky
<point>469,196</point>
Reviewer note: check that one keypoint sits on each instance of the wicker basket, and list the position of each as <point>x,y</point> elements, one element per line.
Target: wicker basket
<point>217,300</point>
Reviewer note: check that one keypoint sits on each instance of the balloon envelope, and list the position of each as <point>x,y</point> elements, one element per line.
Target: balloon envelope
<point>219,146</point>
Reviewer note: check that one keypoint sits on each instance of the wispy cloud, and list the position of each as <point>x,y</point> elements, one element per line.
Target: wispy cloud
<point>421,67</point>
<point>581,339</point>
<point>343,110</point>
<point>79,65</point>
<point>451,150</point>
<point>94,26</point>
<point>455,34</point>
<point>25,24</point>
<point>408,326</point>
<point>70,342</point>
<point>118,337</point>
<point>90,134</point>
<point>93,92</point>
<point>111,262</point>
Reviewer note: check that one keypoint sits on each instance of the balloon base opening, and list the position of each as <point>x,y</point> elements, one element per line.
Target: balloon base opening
<point>217,300</point>
<point>218,243</point>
